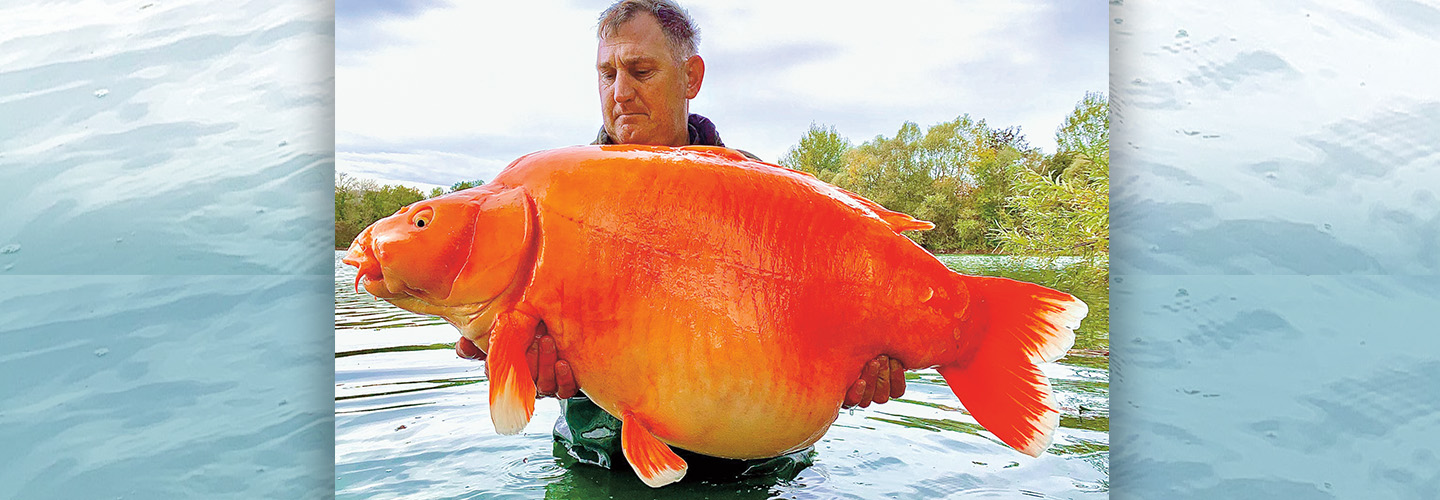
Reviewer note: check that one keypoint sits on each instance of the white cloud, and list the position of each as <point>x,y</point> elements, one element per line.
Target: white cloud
<point>422,170</point>
<point>470,69</point>
<point>472,86</point>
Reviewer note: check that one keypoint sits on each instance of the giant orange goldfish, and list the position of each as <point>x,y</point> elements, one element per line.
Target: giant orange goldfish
<point>710,302</point>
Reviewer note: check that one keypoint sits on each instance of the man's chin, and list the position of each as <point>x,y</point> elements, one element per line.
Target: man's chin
<point>624,137</point>
<point>634,131</point>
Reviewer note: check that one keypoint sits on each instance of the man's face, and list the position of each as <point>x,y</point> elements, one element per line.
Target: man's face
<point>644,88</point>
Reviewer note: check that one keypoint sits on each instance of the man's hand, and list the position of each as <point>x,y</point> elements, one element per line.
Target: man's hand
<point>881,379</point>
<point>468,350</point>
<point>556,380</point>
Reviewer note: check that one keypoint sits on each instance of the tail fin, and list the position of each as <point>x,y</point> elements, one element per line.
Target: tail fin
<point>1020,325</point>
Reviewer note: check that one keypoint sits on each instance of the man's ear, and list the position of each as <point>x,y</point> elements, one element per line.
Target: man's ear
<point>694,75</point>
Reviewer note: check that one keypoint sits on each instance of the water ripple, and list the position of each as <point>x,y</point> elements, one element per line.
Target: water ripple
<point>412,419</point>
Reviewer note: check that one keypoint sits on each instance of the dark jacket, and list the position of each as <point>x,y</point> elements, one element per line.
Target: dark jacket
<point>702,133</point>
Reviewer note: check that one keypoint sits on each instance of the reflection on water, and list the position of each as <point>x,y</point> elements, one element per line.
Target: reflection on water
<point>165,171</point>
<point>1092,341</point>
<point>411,419</point>
<point>1276,233</point>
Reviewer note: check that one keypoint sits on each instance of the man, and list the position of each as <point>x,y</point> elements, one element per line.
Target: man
<point>649,69</point>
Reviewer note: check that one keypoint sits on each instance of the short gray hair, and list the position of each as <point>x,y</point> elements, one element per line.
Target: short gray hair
<point>679,29</point>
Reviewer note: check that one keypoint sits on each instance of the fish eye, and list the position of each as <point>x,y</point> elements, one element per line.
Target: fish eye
<point>422,217</point>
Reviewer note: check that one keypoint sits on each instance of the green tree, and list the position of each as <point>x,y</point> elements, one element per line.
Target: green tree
<point>1062,208</point>
<point>821,152</point>
<point>889,171</point>
<point>1087,129</point>
<point>361,202</point>
<point>984,207</point>
<point>986,189</point>
<point>956,174</point>
<point>942,206</point>
<point>350,217</point>
<point>466,185</point>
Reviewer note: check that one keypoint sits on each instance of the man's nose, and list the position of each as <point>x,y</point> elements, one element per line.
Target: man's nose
<point>624,87</point>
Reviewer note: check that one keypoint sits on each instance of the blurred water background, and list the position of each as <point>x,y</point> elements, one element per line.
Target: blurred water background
<point>165,265</point>
<point>1276,249</point>
<point>412,421</point>
<point>165,170</point>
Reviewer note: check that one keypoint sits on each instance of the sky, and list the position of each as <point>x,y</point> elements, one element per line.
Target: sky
<point>430,92</point>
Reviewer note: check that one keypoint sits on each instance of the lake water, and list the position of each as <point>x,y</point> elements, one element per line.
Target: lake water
<point>411,420</point>
<point>1277,249</point>
<point>165,180</point>
<point>165,305</point>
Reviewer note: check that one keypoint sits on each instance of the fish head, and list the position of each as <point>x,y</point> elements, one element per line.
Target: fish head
<point>455,256</point>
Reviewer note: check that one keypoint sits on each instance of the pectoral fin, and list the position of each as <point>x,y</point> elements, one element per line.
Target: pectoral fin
<point>654,461</point>
<point>512,388</point>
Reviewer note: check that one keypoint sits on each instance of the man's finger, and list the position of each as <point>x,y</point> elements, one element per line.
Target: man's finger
<point>852,396</point>
<point>468,350</point>
<point>897,379</point>
<point>564,380</point>
<point>882,380</point>
<point>546,381</point>
<point>872,370</point>
<point>531,353</point>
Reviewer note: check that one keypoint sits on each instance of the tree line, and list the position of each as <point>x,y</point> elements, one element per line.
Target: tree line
<point>361,202</point>
<point>985,188</point>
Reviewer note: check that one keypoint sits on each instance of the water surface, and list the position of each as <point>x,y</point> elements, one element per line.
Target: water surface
<point>1277,246</point>
<point>165,170</point>
<point>411,420</point>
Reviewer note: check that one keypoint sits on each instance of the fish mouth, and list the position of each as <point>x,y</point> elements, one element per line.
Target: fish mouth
<point>473,320</point>
<point>384,288</point>
<point>369,272</point>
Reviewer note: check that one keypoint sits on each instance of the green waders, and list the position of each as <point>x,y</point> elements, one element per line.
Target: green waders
<point>589,435</point>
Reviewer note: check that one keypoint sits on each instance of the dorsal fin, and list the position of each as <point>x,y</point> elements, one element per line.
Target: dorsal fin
<point>898,221</point>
